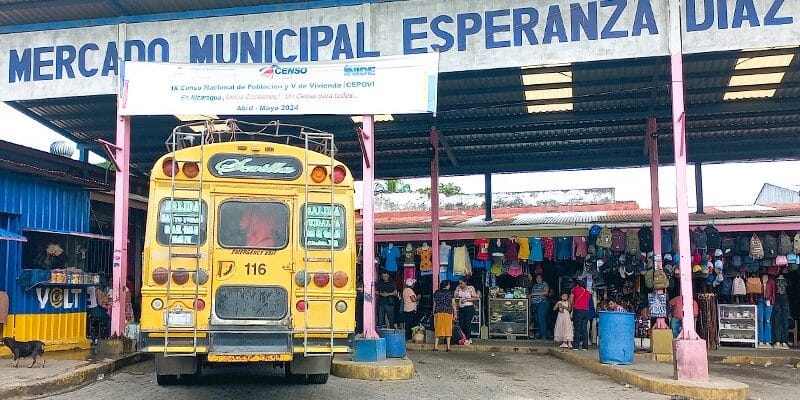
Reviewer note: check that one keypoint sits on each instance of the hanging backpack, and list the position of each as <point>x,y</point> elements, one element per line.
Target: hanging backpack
<point>648,278</point>
<point>675,243</point>
<point>742,245</point>
<point>770,246</point>
<point>604,240</point>
<point>756,247</point>
<point>728,244</point>
<point>785,245</point>
<point>739,288</point>
<point>726,287</point>
<point>699,240</point>
<point>797,243</point>
<point>618,240</point>
<point>645,239</point>
<point>666,241</point>
<point>660,280</point>
<point>713,238</point>
<point>632,242</point>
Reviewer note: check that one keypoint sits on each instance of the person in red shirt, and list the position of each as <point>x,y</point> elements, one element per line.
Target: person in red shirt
<point>676,316</point>
<point>579,298</point>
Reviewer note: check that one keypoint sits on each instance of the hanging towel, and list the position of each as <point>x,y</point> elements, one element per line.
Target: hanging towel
<point>3,307</point>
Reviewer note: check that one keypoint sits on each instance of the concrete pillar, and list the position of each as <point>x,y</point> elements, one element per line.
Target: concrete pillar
<point>368,225</point>
<point>121,199</point>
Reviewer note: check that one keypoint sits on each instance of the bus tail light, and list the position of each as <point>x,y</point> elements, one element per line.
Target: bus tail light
<point>200,277</point>
<point>302,306</point>
<point>318,174</point>
<point>170,167</point>
<point>340,279</point>
<point>339,173</point>
<point>301,278</point>
<point>160,276</point>
<point>199,305</point>
<point>157,304</point>
<point>190,169</point>
<point>321,279</point>
<point>341,306</point>
<point>180,276</point>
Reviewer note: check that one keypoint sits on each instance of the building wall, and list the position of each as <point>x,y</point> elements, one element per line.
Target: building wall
<point>385,202</point>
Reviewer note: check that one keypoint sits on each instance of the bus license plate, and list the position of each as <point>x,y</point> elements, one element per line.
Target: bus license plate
<point>179,319</point>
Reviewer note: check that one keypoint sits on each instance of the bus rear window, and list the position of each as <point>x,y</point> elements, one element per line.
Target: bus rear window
<point>324,226</point>
<point>253,224</point>
<point>183,221</point>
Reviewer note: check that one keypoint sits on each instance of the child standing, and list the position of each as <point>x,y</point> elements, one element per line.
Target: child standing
<point>564,331</point>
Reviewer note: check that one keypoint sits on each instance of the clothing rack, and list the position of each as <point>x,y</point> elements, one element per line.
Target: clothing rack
<point>707,321</point>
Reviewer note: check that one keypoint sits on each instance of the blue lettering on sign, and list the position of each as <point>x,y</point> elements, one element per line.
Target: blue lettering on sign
<point>744,14</point>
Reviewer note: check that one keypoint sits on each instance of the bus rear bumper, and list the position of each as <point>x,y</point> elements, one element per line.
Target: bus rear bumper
<point>239,346</point>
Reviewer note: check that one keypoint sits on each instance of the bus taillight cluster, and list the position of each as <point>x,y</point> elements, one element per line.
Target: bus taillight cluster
<point>320,173</point>
<point>170,168</point>
<point>321,279</point>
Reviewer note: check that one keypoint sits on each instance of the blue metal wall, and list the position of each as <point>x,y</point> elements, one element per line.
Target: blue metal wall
<point>30,202</point>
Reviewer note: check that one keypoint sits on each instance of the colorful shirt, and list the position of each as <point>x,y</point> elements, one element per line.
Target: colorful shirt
<point>461,265</point>
<point>408,304</point>
<point>536,249</point>
<point>524,248</point>
<point>580,298</point>
<point>482,249</point>
<point>497,246</point>
<point>579,247</point>
<point>563,248</point>
<point>443,301</point>
<point>549,246</point>
<point>425,263</point>
<point>512,249</point>
<point>444,253</point>
<point>676,304</point>
<point>391,254</point>
<point>538,288</point>
<point>408,256</point>
<point>467,293</point>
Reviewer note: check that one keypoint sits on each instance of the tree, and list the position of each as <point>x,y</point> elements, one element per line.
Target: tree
<point>447,189</point>
<point>392,186</point>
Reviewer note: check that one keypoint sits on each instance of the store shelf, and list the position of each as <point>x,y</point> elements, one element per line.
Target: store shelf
<point>745,320</point>
<point>513,321</point>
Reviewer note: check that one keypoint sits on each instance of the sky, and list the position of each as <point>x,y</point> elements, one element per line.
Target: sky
<point>723,184</point>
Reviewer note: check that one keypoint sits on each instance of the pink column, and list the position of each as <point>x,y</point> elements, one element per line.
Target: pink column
<point>121,190</point>
<point>435,207</point>
<point>691,355</point>
<point>368,225</point>
<point>655,206</point>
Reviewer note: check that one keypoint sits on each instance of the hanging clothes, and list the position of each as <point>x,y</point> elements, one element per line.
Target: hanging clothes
<point>549,248</point>
<point>524,248</point>
<point>579,247</point>
<point>707,322</point>
<point>461,264</point>
<point>563,248</point>
<point>482,249</point>
<point>444,253</point>
<point>425,264</point>
<point>537,253</point>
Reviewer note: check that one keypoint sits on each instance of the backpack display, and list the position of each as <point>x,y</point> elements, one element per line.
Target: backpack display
<point>739,288</point>
<point>618,240</point>
<point>785,245</point>
<point>645,239</point>
<point>632,242</point>
<point>660,280</point>
<point>742,247</point>
<point>728,244</point>
<point>770,245</point>
<point>756,248</point>
<point>713,238</point>
<point>675,242</point>
<point>604,240</point>
<point>726,287</point>
<point>666,241</point>
<point>594,231</point>
<point>699,240</point>
<point>649,275</point>
<point>797,243</point>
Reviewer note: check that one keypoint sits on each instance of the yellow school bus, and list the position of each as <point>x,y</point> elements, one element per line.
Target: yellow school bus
<point>249,254</point>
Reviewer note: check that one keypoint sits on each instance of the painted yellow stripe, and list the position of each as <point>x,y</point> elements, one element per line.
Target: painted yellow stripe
<point>322,349</point>
<point>250,357</point>
<point>176,334</point>
<point>174,349</point>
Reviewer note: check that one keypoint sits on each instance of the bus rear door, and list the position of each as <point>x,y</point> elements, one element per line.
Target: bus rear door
<point>253,255</point>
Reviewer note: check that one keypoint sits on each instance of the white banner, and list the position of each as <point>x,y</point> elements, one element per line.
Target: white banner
<point>468,34</point>
<point>383,85</point>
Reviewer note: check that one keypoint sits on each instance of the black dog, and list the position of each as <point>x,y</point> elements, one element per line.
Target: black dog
<point>33,349</point>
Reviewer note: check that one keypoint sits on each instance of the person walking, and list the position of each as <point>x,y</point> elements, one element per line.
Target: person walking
<point>465,295</point>
<point>444,308</point>
<point>539,292</point>
<point>579,298</point>
<point>410,301</point>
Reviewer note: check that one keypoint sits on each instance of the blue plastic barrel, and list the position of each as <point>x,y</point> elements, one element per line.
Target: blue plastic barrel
<point>369,350</point>
<point>616,330</point>
<point>395,342</point>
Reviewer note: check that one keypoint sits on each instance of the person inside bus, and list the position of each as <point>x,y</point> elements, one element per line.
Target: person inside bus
<point>259,228</point>
<point>387,299</point>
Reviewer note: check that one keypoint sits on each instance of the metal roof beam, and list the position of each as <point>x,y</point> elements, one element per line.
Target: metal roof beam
<point>29,5</point>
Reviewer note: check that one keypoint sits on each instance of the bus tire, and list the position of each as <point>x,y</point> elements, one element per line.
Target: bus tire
<point>317,379</point>
<point>166,380</point>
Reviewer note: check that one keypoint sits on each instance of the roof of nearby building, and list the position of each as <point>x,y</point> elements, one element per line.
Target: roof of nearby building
<point>621,214</point>
<point>770,194</point>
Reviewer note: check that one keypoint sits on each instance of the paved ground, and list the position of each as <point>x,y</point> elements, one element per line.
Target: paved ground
<point>766,382</point>
<point>445,376</point>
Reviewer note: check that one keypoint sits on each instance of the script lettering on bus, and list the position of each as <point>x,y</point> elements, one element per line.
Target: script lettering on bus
<point>232,165</point>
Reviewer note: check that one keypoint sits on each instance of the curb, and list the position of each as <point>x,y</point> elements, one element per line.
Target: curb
<point>484,348</point>
<point>79,376</point>
<point>388,370</point>
<point>669,387</point>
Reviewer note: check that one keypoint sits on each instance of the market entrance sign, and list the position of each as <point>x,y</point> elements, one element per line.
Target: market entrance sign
<point>468,34</point>
<point>383,85</point>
